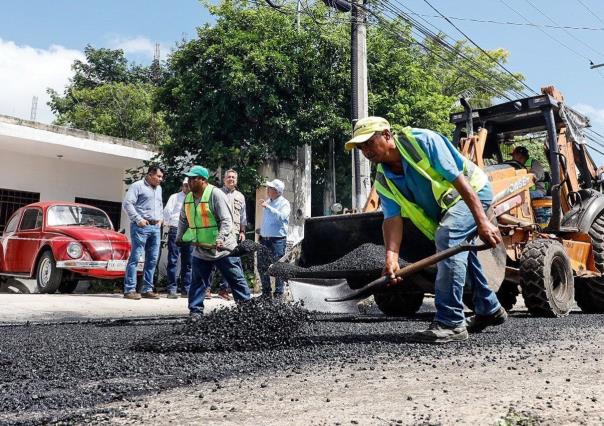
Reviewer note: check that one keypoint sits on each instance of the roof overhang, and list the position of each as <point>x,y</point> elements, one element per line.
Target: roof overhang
<point>50,141</point>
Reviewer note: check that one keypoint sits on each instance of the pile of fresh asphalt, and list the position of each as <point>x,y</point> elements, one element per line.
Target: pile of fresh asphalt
<point>255,325</point>
<point>62,373</point>
<point>367,259</point>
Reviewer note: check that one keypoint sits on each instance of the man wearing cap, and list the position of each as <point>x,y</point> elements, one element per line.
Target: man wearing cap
<point>206,222</point>
<point>521,155</point>
<point>171,216</point>
<point>273,231</point>
<point>144,206</point>
<point>421,176</point>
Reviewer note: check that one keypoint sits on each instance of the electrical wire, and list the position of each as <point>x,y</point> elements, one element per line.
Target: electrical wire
<point>421,30</point>
<point>461,71</point>
<point>482,50</point>
<point>544,32</point>
<point>590,11</point>
<point>566,31</point>
<point>521,24</point>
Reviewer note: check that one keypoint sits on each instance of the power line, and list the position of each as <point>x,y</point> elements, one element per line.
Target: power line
<point>566,31</point>
<point>590,11</point>
<point>389,27</point>
<point>422,30</point>
<point>481,49</point>
<point>512,23</point>
<point>544,32</point>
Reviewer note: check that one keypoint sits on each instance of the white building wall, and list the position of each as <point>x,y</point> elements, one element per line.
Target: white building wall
<point>61,180</point>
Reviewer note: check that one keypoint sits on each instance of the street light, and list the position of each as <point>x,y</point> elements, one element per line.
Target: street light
<point>592,65</point>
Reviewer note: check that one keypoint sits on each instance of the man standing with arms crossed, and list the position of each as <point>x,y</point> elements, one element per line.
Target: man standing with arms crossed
<point>206,222</point>
<point>171,216</point>
<point>237,203</point>
<point>421,176</point>
<point>144,206</point>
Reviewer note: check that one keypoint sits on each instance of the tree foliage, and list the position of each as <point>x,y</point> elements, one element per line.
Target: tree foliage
<point>251,88</point>
<point>110,96</point>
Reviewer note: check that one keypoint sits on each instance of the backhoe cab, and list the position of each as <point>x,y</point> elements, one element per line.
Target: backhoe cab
<point>554,244</point>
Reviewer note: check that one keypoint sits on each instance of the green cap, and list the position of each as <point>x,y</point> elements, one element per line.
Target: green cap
<point>364,129</point>
<point>198,171</point>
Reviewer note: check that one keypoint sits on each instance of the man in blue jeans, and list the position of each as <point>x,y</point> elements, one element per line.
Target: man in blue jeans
<point>273,232</point>
<point>171,216</point>
<point>144,206</point>
<point>206,222</point>
<point>421,176</point>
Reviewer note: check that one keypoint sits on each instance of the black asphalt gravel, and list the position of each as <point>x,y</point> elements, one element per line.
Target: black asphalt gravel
<point>367,258</point>
<point>59,374</point>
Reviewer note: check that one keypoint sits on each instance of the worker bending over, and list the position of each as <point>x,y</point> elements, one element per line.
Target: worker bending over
<point>421,176</point>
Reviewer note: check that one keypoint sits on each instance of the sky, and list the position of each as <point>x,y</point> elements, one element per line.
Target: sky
<point>40,39</point>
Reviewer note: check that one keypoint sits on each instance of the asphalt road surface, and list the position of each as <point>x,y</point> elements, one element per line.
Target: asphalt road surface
<point>280,366</point>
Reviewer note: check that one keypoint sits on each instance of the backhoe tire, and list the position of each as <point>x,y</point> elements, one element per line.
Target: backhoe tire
<point>398,303</point>
<point>546,278</point>
<point>48,276</point>
<point>589,293</point>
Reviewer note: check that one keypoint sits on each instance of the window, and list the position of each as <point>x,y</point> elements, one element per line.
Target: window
<point>112,208</point>
<point>76,216</point>
<point>12,200</point>
<point>12,224</point>
<point>32,219</point>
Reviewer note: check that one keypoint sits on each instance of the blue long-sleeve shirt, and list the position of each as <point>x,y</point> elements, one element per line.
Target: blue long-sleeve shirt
<point>275,218</point>
<point>143,201</point>
<point>443,157</point>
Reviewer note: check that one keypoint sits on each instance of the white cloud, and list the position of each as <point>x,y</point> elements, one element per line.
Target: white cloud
<point>138,45</point>
<point>596,115</point>
<point>26,72</point>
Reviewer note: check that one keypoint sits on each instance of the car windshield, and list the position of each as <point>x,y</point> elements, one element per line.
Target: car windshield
<point>77,216</point>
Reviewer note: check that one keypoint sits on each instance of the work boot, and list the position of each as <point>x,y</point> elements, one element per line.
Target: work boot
<point>440,333</point>
<point>477,323</point>
<point>172,296</point>
<point>132,296</point>
<point>150,295</point>
<point>195,316</point>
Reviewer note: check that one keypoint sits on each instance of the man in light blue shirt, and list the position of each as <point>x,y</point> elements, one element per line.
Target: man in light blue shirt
<point>144,206</point>
<point>273,231</point>
<point>404,191</point>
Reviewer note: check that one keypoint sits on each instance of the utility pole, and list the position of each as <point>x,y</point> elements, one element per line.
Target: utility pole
<point>361,167</point>
<point>34,108</point>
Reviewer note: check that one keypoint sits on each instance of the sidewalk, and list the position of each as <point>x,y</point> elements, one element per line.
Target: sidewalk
<point>20,308</point>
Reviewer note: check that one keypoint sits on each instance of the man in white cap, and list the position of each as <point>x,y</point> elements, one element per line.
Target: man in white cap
<point>273,231</point>
<point>171,216</point>
<point>421,176</point>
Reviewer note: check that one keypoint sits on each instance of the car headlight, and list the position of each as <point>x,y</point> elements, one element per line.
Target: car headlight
<point>74,250</point>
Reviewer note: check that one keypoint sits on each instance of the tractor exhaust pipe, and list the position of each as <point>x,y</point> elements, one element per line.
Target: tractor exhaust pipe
<point>554,161</point>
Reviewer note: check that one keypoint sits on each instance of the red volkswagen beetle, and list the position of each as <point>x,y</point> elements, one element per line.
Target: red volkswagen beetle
<point>60,243</point>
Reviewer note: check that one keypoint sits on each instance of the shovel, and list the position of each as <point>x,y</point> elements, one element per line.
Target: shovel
<point>343,293</point>
<point>334,295</point>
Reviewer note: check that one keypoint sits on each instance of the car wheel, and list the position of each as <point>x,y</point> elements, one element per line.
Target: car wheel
<point>48,276</point>
<point>68,287</point>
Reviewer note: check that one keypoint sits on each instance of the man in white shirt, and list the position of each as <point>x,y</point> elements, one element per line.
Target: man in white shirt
<point>273,232</point>
<point>171,216</point>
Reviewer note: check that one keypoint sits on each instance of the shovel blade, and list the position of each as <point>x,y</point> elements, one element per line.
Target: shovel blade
<point>311,294</point>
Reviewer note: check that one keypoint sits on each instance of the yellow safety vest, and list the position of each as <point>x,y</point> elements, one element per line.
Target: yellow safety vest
<point>203,228</point>
<point>444,192</point>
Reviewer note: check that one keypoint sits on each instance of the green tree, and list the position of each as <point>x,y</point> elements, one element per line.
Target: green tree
<point>110,96</point>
